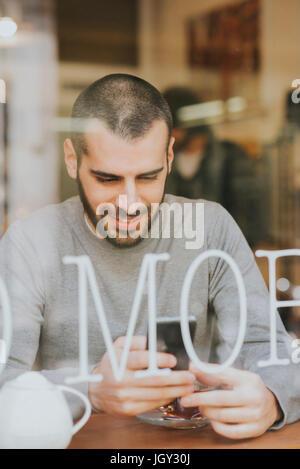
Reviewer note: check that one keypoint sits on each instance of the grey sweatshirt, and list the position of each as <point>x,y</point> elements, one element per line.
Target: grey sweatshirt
<point>44,296</point>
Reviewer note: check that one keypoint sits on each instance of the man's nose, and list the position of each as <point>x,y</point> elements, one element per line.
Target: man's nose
<point>129,197</point>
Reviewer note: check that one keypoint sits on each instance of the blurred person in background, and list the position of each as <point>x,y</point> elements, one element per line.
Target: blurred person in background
<point>213,169</point>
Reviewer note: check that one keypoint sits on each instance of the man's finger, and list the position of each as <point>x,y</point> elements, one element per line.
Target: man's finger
<point>229,376</point>
<point>153,394</point>
<point>215,399</point>
<point>175,378</point>
<point>236,431</point>
<point>138,342</point>
<point>139,407</point>
<point>138,360</point>
<point>229,415</point>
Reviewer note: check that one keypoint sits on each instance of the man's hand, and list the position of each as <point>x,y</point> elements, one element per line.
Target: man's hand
<point>243,408</point>
<point>132,395</point>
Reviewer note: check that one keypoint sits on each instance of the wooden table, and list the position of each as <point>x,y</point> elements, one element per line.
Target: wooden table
<point>106,432</point>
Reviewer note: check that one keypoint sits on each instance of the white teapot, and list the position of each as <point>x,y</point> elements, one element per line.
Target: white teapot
<point>34,413</point>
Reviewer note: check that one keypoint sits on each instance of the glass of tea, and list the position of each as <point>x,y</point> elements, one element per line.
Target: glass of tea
<point>176,410</point>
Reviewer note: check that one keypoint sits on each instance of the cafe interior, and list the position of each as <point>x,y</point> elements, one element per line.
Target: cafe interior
<point>230,71</point>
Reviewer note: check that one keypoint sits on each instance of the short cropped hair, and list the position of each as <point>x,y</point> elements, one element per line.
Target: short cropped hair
<point>126,104</point>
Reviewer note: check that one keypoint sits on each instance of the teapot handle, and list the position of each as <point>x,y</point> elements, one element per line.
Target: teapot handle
<point>88,408</point>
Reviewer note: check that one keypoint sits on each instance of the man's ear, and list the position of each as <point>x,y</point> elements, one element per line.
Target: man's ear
<point>70,158</point>
<point>170,156</point>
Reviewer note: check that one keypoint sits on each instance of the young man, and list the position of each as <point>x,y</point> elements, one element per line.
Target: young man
<point>121,150</point>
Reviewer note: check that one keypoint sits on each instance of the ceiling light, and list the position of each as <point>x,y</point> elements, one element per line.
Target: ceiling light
<point>283,284</point>
<point>8,27</point>
<point>296,293</point>
<point>236,104</point>
<point>201,111</point>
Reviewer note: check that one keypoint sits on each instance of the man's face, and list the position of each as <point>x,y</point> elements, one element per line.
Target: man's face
<point>126,175</point>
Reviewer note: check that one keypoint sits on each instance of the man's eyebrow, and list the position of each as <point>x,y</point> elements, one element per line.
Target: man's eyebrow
<point>115,176</point>
<point>96,172</point>
<point>151,173</point>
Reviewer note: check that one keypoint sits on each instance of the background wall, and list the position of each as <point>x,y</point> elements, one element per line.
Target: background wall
<point>280,39</point>
<point>162,41</point>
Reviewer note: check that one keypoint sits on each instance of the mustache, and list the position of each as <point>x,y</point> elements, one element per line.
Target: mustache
<point>108,209</point>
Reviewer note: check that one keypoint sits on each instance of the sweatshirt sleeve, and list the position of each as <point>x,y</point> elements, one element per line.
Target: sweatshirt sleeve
<point>223,297</point>
<point>23,278</point>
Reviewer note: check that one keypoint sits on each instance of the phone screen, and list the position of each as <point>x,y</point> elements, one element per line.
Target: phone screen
<point>169,339</point>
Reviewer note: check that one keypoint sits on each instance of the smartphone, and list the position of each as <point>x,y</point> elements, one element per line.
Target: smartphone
<point>169,339</point>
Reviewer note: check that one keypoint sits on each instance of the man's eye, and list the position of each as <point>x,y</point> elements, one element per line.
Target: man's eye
<point>106,179</point>
<point>144,178</point>
<point>149,178</point>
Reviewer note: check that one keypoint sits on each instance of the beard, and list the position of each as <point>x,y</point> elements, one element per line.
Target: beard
<point>119,238</point>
